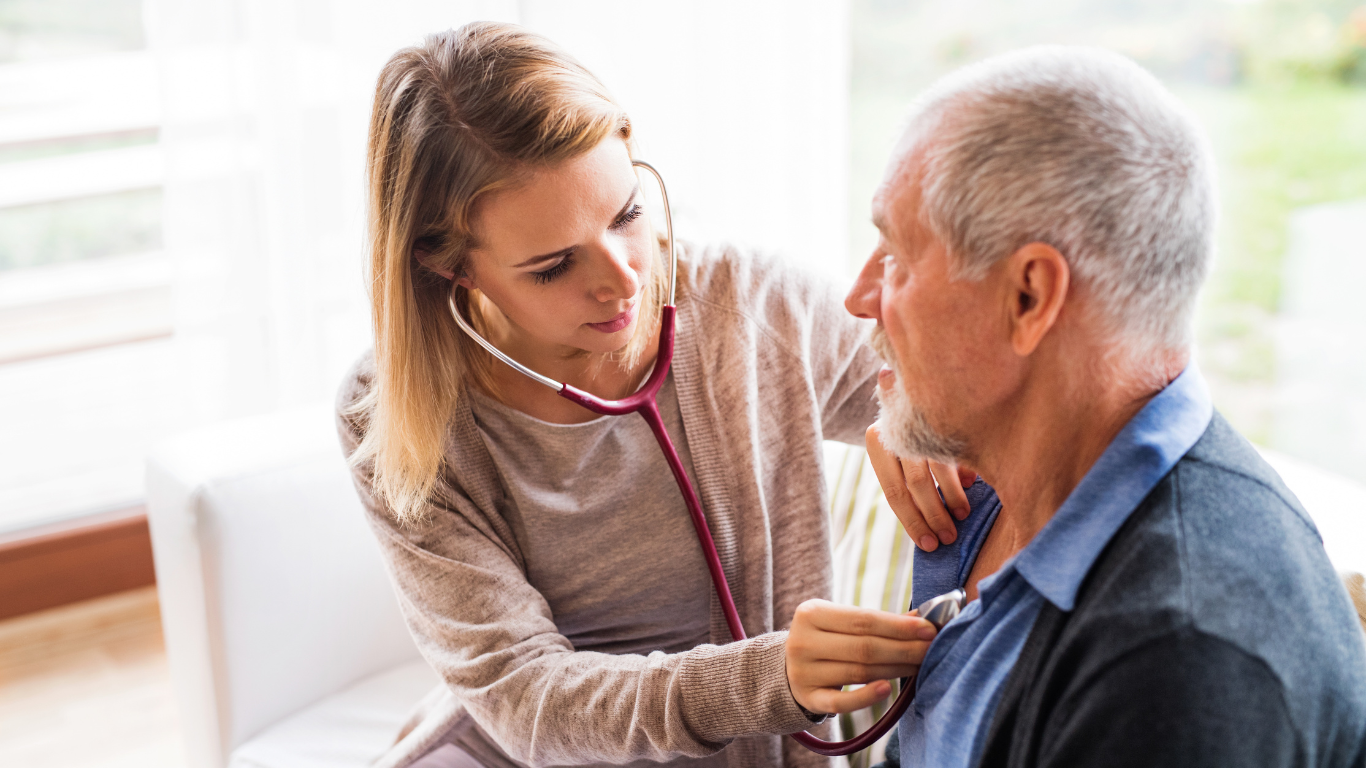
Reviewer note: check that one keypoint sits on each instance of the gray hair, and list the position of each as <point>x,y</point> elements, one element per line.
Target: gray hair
<point>1083,150</point>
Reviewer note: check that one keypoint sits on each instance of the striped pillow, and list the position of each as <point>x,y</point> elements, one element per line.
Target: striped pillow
<point>872,557</point>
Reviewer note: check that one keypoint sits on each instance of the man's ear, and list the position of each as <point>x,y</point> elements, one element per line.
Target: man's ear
<point>1038,278</point>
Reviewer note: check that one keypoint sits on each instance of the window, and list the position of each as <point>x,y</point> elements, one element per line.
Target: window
<point>1281,88</point>
<point>82,273</point>
<point>258,152</point>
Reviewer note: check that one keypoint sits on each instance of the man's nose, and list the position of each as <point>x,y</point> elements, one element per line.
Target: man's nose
<point>865,298</point>
<point>618,278</point>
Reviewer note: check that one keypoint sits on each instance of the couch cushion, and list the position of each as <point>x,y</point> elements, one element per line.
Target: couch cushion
<point>351,728</point>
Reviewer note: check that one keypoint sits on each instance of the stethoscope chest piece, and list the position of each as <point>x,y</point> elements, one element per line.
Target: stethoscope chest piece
<point>942,609</point>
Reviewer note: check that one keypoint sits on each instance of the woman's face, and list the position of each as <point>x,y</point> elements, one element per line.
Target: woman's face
<point>565,255</point>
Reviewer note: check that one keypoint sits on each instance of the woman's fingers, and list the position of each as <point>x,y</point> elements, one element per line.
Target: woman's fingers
<point>874,652</point>
<point>951,485</point>
<point>825,616</point>
<point>831,674</point>
<point>892,478</point>
<point>920,482</point>
<point>835,701</point>
<point>830,646</point>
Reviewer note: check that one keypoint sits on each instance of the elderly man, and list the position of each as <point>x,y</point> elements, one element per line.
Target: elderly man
<point>1146,591</point>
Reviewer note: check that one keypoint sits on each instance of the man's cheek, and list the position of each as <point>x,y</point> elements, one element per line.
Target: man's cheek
<point>903,334</point>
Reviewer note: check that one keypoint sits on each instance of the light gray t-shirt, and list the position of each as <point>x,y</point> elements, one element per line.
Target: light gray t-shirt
<point>605,534</point>
<point>603,528</point>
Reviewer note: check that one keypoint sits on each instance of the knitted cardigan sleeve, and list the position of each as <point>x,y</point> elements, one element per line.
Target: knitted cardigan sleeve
<point>491,637</point>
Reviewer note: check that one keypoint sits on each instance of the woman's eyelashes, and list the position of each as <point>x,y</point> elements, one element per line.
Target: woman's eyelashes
<point>563,265</point>
<point>629,216</point>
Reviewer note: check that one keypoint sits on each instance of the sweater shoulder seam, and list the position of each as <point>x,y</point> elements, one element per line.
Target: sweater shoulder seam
<point>1250,478</point>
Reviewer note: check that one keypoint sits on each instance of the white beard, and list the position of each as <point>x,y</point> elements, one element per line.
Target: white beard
<point>904,429</point>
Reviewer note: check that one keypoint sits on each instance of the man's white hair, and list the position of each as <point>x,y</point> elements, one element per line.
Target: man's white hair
<point>1083,150</point>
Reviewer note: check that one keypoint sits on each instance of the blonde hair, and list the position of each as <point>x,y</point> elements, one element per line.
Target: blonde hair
<point>467,112</point>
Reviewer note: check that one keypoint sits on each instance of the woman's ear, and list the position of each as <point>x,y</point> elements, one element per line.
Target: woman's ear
<point>426,259</point>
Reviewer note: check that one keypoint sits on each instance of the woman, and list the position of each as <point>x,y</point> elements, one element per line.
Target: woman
<point>545,563</point>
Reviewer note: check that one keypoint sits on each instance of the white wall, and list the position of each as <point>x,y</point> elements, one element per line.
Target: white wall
<point>741,105</point>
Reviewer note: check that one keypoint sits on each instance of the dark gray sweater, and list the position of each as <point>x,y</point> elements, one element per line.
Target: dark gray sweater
<point>1212,631</point>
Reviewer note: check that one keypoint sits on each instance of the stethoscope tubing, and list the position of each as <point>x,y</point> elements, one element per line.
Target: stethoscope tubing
<point>644,403</point>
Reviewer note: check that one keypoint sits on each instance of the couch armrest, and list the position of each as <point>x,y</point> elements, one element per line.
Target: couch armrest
<point>273,594</point>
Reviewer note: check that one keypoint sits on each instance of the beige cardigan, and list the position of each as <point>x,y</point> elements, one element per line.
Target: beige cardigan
<point>768,364</point>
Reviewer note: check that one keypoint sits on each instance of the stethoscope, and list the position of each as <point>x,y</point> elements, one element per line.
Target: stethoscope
<point>940,610</point>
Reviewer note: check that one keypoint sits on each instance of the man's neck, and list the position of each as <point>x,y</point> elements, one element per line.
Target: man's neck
<point>1053,432</point>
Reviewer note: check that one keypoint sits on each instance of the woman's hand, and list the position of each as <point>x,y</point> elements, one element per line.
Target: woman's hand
<point>909,485</point>
<point>830,646</point>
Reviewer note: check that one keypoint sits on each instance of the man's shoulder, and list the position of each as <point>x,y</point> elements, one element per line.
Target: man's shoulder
<point>1220,533</point>
<point>1248,551</point>
<point>1222,549</point>
<point>1224,455</point>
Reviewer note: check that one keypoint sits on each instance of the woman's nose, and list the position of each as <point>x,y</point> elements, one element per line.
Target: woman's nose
<point>865,298</point>
<point>618,278</point>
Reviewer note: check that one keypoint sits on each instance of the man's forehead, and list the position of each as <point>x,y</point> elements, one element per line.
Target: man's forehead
<point>898,194</point>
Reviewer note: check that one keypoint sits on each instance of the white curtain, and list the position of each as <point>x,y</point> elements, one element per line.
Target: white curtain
<point>742,106</point>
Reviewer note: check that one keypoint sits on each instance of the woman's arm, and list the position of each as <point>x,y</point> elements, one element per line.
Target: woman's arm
<point>843,367</point>
<point>491,637</point>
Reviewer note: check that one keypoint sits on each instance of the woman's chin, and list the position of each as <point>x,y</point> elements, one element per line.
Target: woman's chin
<point>604,344</point>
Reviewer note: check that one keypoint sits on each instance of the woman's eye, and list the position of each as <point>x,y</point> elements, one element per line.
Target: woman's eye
<point>628,217</point>
<point>546,275</point>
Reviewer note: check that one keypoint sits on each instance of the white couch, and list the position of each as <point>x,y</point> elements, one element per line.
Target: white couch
<point>284,638</point>
<point>285,641</point>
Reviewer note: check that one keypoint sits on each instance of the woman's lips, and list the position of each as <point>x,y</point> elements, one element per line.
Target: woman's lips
<point>615,324</point>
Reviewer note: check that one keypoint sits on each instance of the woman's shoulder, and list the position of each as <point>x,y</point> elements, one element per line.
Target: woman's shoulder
<point>351,399</point>
<point>747,280</point>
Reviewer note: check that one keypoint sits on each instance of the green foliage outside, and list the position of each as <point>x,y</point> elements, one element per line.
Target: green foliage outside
<point>88,228</point>
<point>80,229</point>
<point>39,29</point>
<point>1280,146</point>
<point>1302,42</point>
